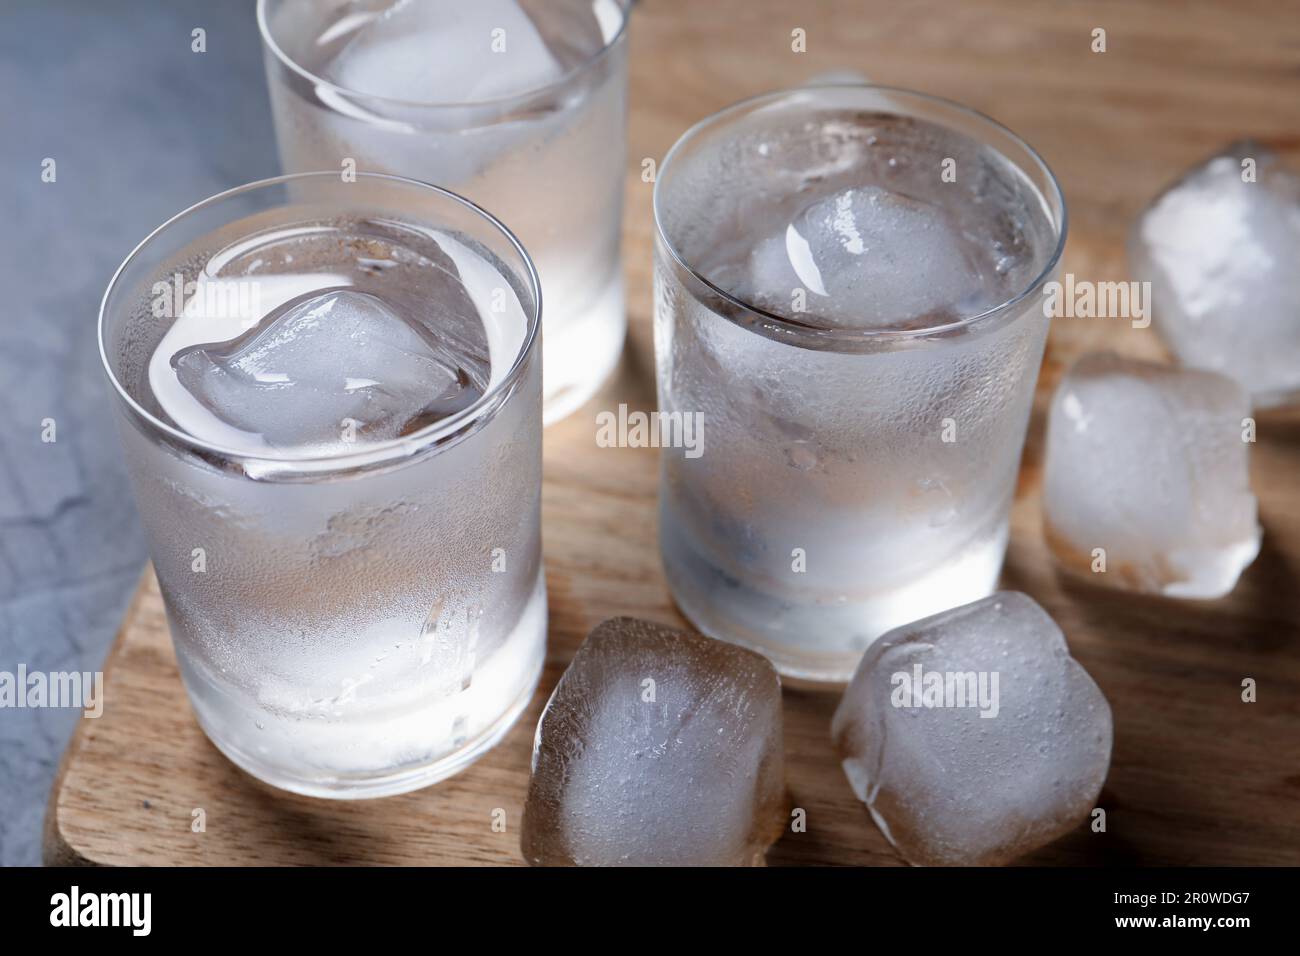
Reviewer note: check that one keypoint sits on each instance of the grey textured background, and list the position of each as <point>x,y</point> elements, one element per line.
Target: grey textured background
<point>140,127</point>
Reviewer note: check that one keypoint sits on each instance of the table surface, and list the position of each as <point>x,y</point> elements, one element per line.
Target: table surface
<point>140,127</point>
<point>1197,776</point>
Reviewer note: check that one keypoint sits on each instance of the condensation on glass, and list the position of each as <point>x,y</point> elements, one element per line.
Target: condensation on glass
<point>329,396</point>
<point>519,105</point>
<point>847,292</point>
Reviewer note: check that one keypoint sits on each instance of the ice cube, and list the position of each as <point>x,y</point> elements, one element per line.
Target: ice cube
<point>326,370</point>
<point>1222,255</point>
<point>972,736</point>
<point>1146,483</point>
<point>446,51</point>
<point>658,747</point>
<point>869,257</point>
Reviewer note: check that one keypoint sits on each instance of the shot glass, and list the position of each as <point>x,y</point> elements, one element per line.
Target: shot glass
<point>847,292</point>
<point>354,614</point>
<point>519,105</point>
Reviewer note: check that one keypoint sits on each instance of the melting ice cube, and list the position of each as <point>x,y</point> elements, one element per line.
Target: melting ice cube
<point>972,736</point>
<point>1221,249</point>
<point>1146,483</point>
<point>446,51</point>
<point>870,257</point>
<point>658,747</point>
<point>326,370</point>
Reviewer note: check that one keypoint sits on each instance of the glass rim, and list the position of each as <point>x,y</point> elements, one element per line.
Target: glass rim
<point>373,453</point>
<point>802,330</point>
<point>264,28</point>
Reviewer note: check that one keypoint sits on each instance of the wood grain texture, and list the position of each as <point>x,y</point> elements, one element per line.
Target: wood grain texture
<point>1197,776</point>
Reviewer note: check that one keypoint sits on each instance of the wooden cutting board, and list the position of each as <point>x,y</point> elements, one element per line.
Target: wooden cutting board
<point>1197,776</point>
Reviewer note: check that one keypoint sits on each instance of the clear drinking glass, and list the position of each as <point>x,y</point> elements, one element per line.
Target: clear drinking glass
<point>359,615</point>
<point>519,105</point>
<point>847,292</point>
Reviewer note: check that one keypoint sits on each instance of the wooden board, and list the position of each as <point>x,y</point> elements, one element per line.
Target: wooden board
<point>1198,777</point>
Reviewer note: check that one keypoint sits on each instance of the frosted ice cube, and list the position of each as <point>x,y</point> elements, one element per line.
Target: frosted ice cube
<point>658,747</point>
<point>1146,476</point>
<point>326,370</point>
<point>972,736</point>
<point>1222,255</point>
<point>446,51</point>
<point>869,256</point>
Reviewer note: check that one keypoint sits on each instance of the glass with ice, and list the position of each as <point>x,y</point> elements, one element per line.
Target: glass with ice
<point>847,291</point>
<point>329,395</point>
<point>517,104</point>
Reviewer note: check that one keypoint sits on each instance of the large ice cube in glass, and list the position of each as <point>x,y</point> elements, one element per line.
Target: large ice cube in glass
<point>1221,249</point>
<point>972,736</point>
<point>858,255</point>
<point>447,51</point>
<point>658,747</point>
<point>325,371</point>
<point>1146,483</point>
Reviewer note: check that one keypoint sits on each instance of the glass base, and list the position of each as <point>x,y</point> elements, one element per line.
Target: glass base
<point>362,757</point>
<point>579,351</point>
<point>380,785</point>
<point>811,641</point>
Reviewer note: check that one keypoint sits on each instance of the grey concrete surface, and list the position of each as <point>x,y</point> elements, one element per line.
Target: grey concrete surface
<point>139,126</point>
